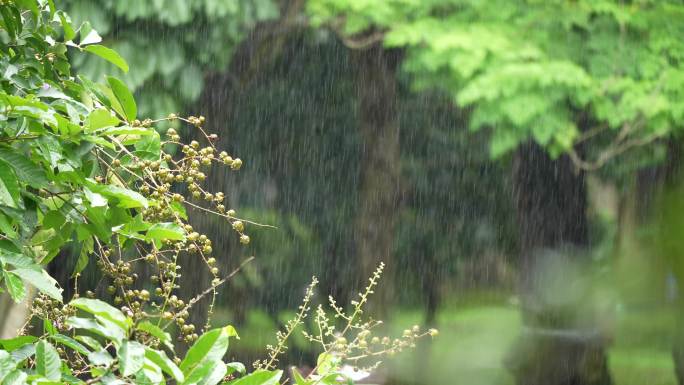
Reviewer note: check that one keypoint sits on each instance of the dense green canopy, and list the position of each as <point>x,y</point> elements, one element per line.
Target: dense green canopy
<point>560,72</point>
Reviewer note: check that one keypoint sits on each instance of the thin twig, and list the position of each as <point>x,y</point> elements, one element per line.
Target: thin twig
<point>214,286</point>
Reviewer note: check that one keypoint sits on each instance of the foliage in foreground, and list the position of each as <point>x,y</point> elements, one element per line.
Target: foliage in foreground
<point>79,169</point>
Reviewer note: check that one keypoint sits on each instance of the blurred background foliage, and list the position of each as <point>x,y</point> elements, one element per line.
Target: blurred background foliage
<point>172,44</point>
<point>503,127</point>
<point>529,67</point>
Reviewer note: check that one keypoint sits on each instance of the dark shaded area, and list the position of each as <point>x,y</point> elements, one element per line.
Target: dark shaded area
<point>551,210</point>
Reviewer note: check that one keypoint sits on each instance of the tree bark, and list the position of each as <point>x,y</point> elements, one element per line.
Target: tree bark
<point>555,348</point>
<point>13,315</point>
<point>379,166</point>
<point>220,102</point>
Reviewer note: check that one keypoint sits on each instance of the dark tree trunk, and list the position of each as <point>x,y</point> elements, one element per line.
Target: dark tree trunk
<point>220,103</point>
<point>548,192</point>
<point>551,202</point>
<point>379,166</point>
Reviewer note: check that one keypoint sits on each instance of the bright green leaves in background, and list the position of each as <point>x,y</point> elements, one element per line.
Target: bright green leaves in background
<point>88,39</point>
<point>172,56</point>
<point>548,71</point>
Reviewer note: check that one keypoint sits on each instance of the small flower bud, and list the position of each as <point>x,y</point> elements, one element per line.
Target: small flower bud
<point>239,226</point>
<point>244,239</point>
<point>237,164</point>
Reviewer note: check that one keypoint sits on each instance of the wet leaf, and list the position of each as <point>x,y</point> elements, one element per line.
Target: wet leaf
<point>108,54</point>
<point>47,361</point>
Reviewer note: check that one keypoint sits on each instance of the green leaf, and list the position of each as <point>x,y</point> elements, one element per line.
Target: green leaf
<point>48,327</point>
<point>299,380</point>
<point>84,256</point>
<point>127,198</point>
<point>95,199</point>
<point>100,358</point>
<point>15,259</point>
<point>41,280</point>
<point>208,373</point>
<point>17,342</point>
<point>66,25</point>
<point>336,378</point>
<point>131,357</point>
<point>47,361</point>
<point>165,231</point>
<point>9,21</point>
<point>23,352</point>
<point>96,90</point>
<point>71,343</point>
<point>88,35</point>
<point>7,365</point>
<point>100,141</point>
<point>124,97</point>
<point>114,333</point>
<point>90,341</point>
<point>151,373</point>
<point>108,54</point>
<point>259,377</point>
<point>161,360</point>
<point>6,226</point>
<point>66,128</point>
<point>502,141</point>
<point>51,5</point>
<point>179,209</point>
<point>149,147</point>
<point>128,130</point>
<point>9,186</point>
<point>32,5</point>
<point>327,363</point>
<point>102,309</point>
<point>25,169</point>
<point>236,367</point>
<point>42,236</point>
<point>100,118</point>
<point>156,332</point>
<point>211,346</point>
<point>16,377</point>
<point>15,286</point>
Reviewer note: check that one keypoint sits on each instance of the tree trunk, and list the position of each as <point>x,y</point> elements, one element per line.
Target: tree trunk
<point>13,315</point>
<point>220,102</point>
<point>379,166</point>
<point>559,346</point>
